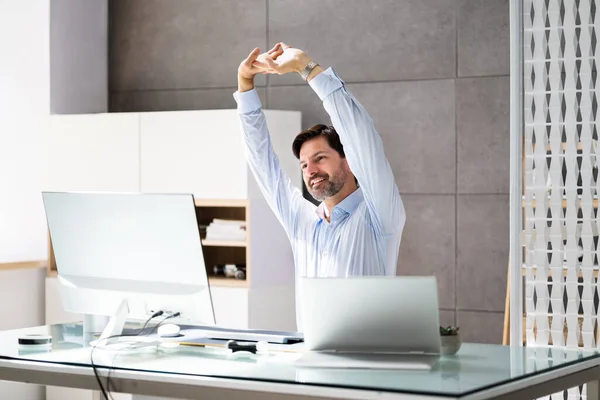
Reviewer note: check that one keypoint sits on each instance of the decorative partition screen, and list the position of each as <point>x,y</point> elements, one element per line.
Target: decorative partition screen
<point>561,224</point>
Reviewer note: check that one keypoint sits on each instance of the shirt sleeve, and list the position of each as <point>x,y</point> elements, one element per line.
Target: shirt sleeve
<point>364,151</point>
<point>281,195</point>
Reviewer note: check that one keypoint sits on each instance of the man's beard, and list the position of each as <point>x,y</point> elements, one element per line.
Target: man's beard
<point>330,187</point>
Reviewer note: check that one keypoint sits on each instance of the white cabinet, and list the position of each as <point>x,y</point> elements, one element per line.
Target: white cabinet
<point>93,152</point>
<point>197,152</point>
<point>55,312</point>
<point>201,152</point>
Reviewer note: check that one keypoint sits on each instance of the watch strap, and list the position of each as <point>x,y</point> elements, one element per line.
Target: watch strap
<point>307,70</point>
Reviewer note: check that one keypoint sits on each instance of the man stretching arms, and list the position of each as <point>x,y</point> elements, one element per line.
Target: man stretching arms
<point>357,227</point>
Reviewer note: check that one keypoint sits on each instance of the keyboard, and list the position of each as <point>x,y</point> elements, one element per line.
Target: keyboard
<point>247,335</point>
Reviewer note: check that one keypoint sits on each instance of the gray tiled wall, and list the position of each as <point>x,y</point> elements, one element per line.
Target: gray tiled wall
<point>432,73</point>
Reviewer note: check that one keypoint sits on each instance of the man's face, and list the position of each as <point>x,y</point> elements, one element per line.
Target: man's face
<point>323,169</point>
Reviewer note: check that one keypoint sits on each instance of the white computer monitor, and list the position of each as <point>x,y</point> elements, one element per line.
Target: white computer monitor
<point>129,255</point>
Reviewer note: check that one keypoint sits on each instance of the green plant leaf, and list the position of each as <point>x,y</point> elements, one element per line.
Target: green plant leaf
<point>448,330</point>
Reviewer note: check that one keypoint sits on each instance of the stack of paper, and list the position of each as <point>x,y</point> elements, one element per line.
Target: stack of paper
<point>226,229</point>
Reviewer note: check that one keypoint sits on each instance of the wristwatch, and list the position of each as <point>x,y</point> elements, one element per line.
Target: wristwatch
<point>306,71</point>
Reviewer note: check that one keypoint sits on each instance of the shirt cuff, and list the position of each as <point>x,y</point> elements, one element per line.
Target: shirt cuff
<point>326,82</point>
<point>247,101</point>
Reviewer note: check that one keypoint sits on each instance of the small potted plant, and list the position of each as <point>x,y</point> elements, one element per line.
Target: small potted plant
<point>450,339</point>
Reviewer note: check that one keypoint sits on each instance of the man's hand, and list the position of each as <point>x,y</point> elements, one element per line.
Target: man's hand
<point>283,59</point>
<point>255,64</point>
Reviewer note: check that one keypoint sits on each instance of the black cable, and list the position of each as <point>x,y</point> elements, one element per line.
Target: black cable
<point>175,315</point>
<point>156,314</point>
<point>139,332</point>
<point>106,392</point>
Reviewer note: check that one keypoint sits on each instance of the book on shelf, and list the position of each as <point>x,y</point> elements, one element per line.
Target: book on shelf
<point>221,229</point>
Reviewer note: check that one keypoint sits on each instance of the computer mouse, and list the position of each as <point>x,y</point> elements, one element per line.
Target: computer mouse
<point>168,330</point>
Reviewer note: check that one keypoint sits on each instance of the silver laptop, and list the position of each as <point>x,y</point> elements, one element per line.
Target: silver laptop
<point>371,314</point>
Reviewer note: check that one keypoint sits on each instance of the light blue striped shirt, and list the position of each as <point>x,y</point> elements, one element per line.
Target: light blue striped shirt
<point>363,237</point>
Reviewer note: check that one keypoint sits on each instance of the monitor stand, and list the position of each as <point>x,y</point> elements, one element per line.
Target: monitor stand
<point>115,324</point>
<point>112,337</point>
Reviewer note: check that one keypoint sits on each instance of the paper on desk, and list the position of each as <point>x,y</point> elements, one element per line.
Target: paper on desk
<point>197,337</point>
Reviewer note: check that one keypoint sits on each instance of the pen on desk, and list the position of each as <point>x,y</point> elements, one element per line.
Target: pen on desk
<point>256,347</point>
<point>232,345</point>
<point>261,347</point>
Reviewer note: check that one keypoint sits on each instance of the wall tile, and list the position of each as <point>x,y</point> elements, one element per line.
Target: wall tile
<point>483,243</point>
<point>157,44</point>
<point>483,134</point>
<point>416,122</point>
<point>171,100</point>
<point>301,98</point>
<point>369,40</point>
<point>483,37</point>
<point>480,327</point>
<point>414,119</point>
<point>428,242</point>
<point>447,317</point>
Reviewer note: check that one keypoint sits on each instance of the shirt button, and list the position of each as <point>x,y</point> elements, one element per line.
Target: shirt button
<point>324,254</point>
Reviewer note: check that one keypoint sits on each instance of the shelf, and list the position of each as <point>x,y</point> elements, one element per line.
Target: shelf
<point>224,243</point>
<point>223,251</point>
<point>22,265</point>
<point>220,202</point>
<point>229,282</point>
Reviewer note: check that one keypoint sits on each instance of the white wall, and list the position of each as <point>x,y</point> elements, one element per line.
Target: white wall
<point>24,108</point>
<point>78,55</point>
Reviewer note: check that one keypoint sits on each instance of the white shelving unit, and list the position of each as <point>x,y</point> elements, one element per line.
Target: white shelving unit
<point>197,152</point>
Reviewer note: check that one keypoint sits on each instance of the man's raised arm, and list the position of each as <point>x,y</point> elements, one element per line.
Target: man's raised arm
<point>364,150</point>
<point>285,200</point>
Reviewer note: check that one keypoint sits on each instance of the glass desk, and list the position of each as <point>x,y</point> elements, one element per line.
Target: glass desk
<point>476,372</point>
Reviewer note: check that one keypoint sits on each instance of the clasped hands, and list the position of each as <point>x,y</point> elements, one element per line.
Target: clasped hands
<point>281,59</point>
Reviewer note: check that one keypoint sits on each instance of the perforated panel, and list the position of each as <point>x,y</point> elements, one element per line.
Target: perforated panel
<point>560,174</point>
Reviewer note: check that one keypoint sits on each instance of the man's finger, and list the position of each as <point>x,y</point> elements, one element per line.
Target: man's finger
<point>274,49</point>
<point>252,56</point>
<point>284,46</point>
<point>260,64</point>
<point>263,71</point>
<point>276,53</point>
<point>271,64</point>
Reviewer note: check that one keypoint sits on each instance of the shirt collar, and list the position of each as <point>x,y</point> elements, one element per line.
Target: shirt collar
<point>348,205</point>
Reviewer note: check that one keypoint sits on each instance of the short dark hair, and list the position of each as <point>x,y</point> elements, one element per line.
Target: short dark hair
<point>328,132</point>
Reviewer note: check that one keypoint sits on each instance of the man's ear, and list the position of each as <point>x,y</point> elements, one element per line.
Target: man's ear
<point>346,165</point>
